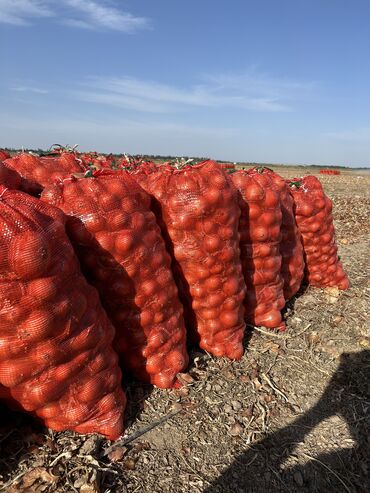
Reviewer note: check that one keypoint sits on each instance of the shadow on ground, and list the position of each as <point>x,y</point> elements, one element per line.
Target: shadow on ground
<point>261,467</point>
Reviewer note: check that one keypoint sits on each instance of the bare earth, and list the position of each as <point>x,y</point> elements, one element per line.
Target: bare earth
<point>291,416</point>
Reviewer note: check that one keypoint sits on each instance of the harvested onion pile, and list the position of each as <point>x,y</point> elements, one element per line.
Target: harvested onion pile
<point>198,210</point>
<point>56,356</point>
<point>38,172</point>
<point>315,222</point>
<point>260,234</point>
<point>291,249</point>
<point>166,246</point>
<point>123,254</point>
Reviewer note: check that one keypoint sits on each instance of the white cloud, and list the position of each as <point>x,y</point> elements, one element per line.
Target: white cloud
<point>255,94</point>
<point>129,135</point>
<point>77,23</point>
<point>256,81</point>
<point>356,135</point>
<point>122,101</point>
<point>100,14</point>
<point>36,90</point>
<point>18,12</point>
<point>87,14</point>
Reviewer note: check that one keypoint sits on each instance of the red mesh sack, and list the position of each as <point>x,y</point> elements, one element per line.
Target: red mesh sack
<point>96,161</point>
<point>291,249</point>
<point>4,155</point>
<point>38,172</point>
<point>9,177</point>
<point>260,235</point>
<point>56,356</point>
<point>313,212</point>
<point>123,254</point>
<point>329,172</point>
<point>137,165</point>
<point>198,211</point>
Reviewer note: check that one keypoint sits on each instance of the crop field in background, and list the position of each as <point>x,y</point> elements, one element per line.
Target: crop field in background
<point>291,416</point>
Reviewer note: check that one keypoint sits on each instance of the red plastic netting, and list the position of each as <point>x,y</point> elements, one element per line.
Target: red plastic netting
<point>260,236</point>
<point>56,358</point>
<point>4,155</point>
<point>96,161</point>
<point>329,172</point>
<point>315,222</point>
<point>9,177</point>
<point>197,208</point>
<point>123,254</point>
<point>38,172</point>
<point>291,249</point>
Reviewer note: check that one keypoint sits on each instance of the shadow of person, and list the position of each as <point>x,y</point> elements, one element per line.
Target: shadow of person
<point>19,434</point>
<point>261,467</point>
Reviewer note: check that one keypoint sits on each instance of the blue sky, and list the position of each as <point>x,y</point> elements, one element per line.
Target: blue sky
<point>264,81</point>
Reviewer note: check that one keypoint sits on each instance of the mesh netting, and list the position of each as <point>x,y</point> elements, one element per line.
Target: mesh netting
<point>9,177</point>
<point>123,254</point>
<point>291,249</point>
<point>260,236</point>
<point>315,222</point>
<point>4,155</point>
<point>197,208</point>
<point>56,357</point>
<point>38,172</point>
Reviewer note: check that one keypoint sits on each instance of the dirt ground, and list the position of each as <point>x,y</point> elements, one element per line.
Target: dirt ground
<point>291,416</point>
